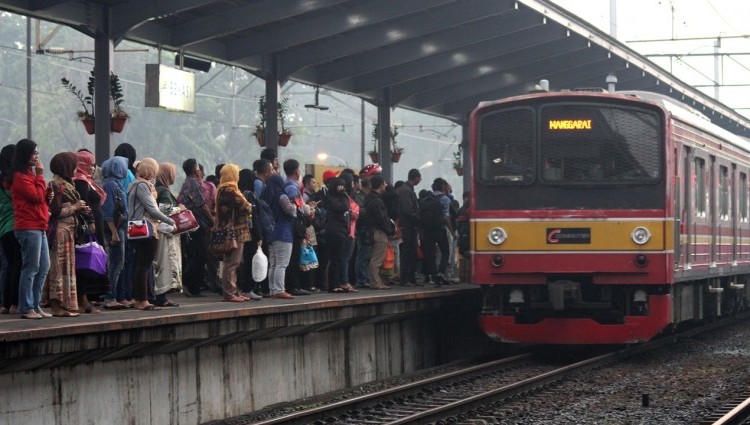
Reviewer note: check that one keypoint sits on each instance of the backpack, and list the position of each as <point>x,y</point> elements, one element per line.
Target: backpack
<point>431,212</point>
<point>265,216</point>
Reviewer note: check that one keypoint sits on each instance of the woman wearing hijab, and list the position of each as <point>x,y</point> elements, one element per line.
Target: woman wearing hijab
<point>28,190</point>
<point>60,289</point>
<point>235,212</point>
<point>168,265</point>
<point>88,282</point>
<point>337,232</point>
<point>142,205</point>
<point>114,215</point>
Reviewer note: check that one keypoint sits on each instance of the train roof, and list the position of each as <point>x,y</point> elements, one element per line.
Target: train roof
<point>691,116</point>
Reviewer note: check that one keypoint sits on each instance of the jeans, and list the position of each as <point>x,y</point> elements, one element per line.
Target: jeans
<point>116,262</point>
<point>279,254</point>
<point>35,255</point>
<point>361,265</point>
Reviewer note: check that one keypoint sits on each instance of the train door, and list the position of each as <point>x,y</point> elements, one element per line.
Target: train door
<point>712,213</point>
<point>723,221</point>
<point>742,219</point>
<point>684,211</point>
<point>698,250</point>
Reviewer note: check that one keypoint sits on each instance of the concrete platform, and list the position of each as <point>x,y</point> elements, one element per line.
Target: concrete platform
<point>209,359</point>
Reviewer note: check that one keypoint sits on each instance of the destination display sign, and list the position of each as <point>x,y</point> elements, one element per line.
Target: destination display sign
<point>570,124</point>
<point>573,235</point>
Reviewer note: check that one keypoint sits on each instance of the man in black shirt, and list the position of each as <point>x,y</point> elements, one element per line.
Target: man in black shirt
<point>408,219</point>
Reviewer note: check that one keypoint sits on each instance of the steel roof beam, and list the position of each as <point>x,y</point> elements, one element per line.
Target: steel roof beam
<point>554,71</point>
<point>234,20</point>
<point>134,13</point>
<point>331,24</point>
<point>442,43</point>
<point>528,72</point>
<point>540,45</point>
<point>463,58</point>
<point>378,36</point>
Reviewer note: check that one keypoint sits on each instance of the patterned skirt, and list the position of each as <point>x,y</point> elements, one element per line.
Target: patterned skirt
<point>61,280</point>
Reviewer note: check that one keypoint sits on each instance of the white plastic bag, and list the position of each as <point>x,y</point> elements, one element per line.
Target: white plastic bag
<point>260,266</point>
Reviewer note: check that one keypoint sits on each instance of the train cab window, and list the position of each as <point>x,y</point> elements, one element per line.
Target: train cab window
<point>743,197</point>
<point>506,147</point>
<point>723,193</point>
<point>599,144</point>
<point>700,187</point>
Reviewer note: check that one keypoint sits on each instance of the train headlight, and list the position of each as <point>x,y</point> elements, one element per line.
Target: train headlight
<point>640,235</point>
<point>497,236</point>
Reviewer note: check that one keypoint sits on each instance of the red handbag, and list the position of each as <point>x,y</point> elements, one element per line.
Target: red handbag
<point>184,221</point>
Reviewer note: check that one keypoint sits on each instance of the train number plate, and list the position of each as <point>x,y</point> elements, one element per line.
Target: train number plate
<point>573,235</point>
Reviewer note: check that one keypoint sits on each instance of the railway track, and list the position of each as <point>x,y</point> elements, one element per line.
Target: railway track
<point>463,396</point>
<point>735,412</point>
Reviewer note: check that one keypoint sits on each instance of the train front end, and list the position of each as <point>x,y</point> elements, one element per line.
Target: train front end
<point>571,240</point>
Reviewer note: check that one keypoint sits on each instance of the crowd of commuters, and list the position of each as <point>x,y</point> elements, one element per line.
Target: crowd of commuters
<point>355,231</point>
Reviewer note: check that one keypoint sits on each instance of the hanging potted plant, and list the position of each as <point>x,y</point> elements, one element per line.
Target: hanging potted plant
<point>458,163</point>
<point>118,117</point>
<point>86,116</point>
<point>260,129</point>
<point>396,150</point>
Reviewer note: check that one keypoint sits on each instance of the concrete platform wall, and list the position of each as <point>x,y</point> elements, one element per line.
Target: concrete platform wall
<point>224,370</point>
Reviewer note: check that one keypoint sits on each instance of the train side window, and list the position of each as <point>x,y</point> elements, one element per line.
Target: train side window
<point>723,193</point>
<point>743,196</point>
<point>700,187</point>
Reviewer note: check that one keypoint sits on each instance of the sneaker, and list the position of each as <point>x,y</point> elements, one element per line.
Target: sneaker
<point>252,295</point>
<point>44,314</point>
<point>314,290</point>
<point>299,292</point>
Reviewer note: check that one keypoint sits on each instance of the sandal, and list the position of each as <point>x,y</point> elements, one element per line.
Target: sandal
<point>66,313</point>
<point>169,303</point>
<point>337,290</point>
<point>148,308</point>
<point>91,310</point>
<point>349,288</point>
<point>234,300</point>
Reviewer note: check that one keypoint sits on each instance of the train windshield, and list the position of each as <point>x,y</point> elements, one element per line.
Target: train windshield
<point>570,144</point>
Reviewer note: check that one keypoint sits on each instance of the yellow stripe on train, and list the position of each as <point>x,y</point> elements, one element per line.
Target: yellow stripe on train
<point>572,235</point>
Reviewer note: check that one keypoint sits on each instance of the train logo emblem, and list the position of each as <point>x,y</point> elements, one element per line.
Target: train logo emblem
<point>568,236</point>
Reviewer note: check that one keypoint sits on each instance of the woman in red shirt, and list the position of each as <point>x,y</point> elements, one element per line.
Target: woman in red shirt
<point>29,193</point>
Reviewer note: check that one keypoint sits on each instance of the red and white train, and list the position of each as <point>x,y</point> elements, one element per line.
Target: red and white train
<point>605,218</point>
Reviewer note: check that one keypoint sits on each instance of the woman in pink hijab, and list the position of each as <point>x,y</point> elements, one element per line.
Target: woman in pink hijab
<point>90,284</point>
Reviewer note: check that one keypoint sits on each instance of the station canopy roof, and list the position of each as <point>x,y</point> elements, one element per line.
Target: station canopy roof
<point>440,57</point>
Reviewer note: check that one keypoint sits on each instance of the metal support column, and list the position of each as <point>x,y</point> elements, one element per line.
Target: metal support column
<point>384,131</point>
<point>103,55</point>
<point>273,87</point>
